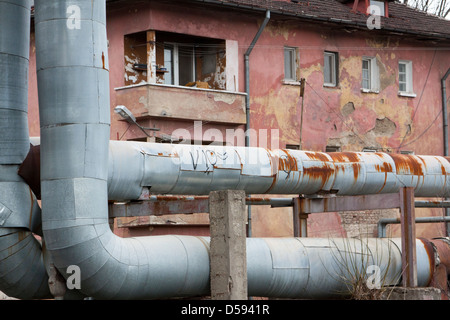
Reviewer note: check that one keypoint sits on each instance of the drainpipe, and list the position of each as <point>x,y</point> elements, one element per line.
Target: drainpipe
<point>247,101</point>
<point>22,272</point>
<point>445,119</point>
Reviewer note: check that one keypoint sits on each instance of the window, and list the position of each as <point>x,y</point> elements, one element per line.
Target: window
<point>179,61</point>
<point>293,146</point>
<point>370,77</point>
<point>290,64</point>
<point>168,64</point>
<point>366,81</point>
<point>379,8</point>
<point>330,69</point>
<point>405,81</point>
<point>332,149</point>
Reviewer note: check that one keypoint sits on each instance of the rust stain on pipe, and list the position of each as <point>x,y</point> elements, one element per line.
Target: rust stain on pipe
<point>317,156</point>
<point>443,250</point>
<point>287,163</point>
<point>348,157</point>
<point>431,256</point>
<point>442,271</point>
<point>384,168</point>
<point>407,164</point>
<point>103,60</point>
<point>320,173</point>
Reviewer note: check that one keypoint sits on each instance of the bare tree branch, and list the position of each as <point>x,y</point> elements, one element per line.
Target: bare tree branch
<point>440,8</point>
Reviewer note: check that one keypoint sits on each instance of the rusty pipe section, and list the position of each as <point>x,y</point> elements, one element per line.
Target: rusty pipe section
<point>442,246</point>
<point>135,167</point>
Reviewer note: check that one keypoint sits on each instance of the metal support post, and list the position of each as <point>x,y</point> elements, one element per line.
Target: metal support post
<point>296,216</point>
<point>300,219</point>
<point>407,217</point>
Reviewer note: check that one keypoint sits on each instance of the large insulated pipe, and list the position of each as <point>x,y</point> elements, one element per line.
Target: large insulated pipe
<point>73,84</point>
<point>22,272</point>
<point>326,268</point>
<point>136,167</point>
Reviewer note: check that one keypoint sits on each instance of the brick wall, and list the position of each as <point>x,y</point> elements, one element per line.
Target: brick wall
<point>364,223</point>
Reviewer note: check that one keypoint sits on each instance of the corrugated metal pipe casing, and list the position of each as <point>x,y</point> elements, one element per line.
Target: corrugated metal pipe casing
<point>22,272</point>
<point>185,169</point>
<point>326,268</point>
<point>73,88</point>
<point>14,56</point>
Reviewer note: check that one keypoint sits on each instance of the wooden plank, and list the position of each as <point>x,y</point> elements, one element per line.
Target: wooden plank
<point>164,220</point>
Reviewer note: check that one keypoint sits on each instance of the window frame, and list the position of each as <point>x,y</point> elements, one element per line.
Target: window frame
<point>294,64</point>
<point>175,68</point>
<point>373,75</point>
<point>334,69</point>
<point>379,4</point>
<point>408,82</point>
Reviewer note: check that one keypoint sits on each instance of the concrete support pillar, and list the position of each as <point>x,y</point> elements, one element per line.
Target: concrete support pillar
<point>228,266</point>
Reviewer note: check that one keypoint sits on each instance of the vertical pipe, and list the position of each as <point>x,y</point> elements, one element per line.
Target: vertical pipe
<point>22,272</point>
<point>445,124</point>
<point>14,60</point>
<point>247,74</point>
<point>247,100</point>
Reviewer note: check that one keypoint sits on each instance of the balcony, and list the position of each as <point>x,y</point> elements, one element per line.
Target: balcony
<point>180,102</point>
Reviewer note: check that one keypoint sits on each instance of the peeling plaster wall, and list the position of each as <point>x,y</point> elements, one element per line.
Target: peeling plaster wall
<point>345,116</point>
<point>327,117</point>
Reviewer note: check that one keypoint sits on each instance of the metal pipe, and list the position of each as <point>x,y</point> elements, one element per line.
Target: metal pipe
<point>20,252</point>
<point>137,167</point>
<point>445,128</point>
<point>275,202</point>
<point>431,204</point>
<point>143,171</point>
<point>72,70</point>
<point>325,268</point>
<point>444,110</point>
<point>382,223</point>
